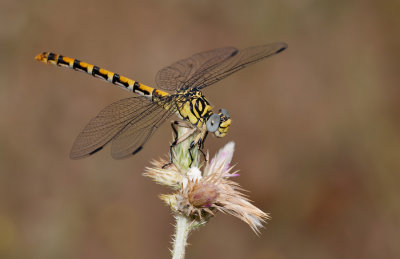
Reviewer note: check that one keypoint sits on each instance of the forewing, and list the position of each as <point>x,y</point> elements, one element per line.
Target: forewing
<point>111,122</point>
<point>175,76</point>
<point>239,60</point>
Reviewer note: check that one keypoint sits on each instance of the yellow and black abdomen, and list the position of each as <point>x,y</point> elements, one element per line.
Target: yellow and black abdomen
<point>114,78</point>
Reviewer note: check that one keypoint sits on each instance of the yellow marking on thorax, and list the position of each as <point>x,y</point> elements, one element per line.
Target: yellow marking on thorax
<point>189,113</point>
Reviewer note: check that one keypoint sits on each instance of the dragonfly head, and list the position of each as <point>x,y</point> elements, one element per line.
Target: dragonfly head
<point>219,123</point>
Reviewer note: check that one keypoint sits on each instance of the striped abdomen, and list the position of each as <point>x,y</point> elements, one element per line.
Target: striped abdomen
<point>124,82</point>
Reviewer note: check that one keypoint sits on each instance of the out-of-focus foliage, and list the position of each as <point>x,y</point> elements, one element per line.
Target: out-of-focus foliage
<point>317,127</point>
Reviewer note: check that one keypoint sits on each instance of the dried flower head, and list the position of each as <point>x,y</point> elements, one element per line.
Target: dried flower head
<point>199,195</point>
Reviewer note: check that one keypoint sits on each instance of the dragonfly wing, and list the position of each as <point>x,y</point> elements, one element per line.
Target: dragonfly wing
<point>133,137</point>
<point>112,122</point>
<point>234,63</point>
<point>173,77</point>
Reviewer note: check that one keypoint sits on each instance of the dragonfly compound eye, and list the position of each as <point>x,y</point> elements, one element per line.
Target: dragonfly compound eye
<point>213,122</point>
<point>225,113</point>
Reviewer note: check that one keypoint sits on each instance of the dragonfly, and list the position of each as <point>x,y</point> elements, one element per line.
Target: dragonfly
<point>129,123</point>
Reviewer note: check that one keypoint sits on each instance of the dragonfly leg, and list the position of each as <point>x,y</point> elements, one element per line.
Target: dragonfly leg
<point>201,145</point>
<point>202,152</point>
<point>178,139</point>
<point>191,157</point>
<point>199,140</point>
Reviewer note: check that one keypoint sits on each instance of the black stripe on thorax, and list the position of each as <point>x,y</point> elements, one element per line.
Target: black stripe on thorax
<point>199,106</point>
<point>192,108</point>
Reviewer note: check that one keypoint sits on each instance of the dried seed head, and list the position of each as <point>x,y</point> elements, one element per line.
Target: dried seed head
<point>200,194</point>
<point>203,195</point>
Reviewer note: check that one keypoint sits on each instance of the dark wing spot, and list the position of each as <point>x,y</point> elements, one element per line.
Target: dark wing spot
<point>96,150</point>
<point>281,49</point>
<point>234,53</point>
<point>137,150</point>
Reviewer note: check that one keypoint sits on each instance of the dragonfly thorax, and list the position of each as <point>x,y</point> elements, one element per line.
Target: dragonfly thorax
<point>196,109</point>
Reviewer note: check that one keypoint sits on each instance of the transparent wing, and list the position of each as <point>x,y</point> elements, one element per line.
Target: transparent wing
<point>132,120</point>
<point>173,77</point>
<point>139,130</point>
<point>206,68</point>
<point>240,60</point>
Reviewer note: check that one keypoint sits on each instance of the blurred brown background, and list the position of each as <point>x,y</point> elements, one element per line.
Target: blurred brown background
<point>316,127</point>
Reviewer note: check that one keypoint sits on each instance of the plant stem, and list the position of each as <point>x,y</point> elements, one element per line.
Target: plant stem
<point>180,241</point>
<point>182,159</point>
